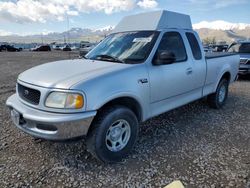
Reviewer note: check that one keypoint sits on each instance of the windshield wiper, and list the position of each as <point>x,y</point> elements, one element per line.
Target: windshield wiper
<point>109,58</point>
<point>82,57</point>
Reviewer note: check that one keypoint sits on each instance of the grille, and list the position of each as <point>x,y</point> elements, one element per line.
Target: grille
<point>243,61</point>
<point>30,95</point>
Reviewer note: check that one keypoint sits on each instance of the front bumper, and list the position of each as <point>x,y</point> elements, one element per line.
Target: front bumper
<point>48,125</point>
<point>244,69</point>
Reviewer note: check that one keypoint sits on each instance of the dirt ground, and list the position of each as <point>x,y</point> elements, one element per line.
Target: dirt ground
<point>198,145</point>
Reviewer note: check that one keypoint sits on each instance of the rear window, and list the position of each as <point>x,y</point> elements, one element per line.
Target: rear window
<point>240,48</point>
<point>196,50</point>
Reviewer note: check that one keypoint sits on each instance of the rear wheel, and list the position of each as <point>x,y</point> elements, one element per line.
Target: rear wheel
<point>218,99</point>
<point>113,134</point>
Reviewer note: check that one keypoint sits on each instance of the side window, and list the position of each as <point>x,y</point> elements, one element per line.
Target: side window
<point>196,50</point>
<point>172,42</point>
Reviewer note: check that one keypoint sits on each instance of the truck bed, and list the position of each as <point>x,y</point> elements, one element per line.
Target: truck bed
<point>211,55</point>
<point>217,64</point>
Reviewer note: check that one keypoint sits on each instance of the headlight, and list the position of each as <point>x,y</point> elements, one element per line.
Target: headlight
<point>64,100</point>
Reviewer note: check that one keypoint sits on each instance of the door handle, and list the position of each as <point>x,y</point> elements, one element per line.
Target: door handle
<point>143,80</point>
<point>189,70</point>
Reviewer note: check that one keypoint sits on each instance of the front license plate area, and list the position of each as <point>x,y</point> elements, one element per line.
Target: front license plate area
<point>15,116</point>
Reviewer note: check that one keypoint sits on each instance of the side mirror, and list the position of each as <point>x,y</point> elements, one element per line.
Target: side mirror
<point>164,58</point>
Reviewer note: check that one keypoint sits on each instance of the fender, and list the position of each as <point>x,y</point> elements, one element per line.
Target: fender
<point>143,107</point>
<point>226,68</point>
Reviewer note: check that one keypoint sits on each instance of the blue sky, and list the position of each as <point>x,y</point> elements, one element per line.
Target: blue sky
<point>33,16</point>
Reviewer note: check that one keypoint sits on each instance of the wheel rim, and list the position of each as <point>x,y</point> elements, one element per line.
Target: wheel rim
<point>222,93</point>
<point>118,135</point>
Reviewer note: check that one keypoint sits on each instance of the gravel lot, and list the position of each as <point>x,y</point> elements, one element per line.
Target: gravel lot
<point>200,146</point>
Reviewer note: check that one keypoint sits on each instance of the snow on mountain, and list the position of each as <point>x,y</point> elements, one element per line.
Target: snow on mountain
<point>106,28</point>
<point>221,25</point>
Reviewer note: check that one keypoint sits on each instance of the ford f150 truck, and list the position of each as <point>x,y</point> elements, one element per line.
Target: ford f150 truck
<point>151,63</point>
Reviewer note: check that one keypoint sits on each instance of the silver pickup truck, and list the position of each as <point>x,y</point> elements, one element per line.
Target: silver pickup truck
<point>151,63</point>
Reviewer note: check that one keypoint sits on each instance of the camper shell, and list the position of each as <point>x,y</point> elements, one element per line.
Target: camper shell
<point>157,21</point>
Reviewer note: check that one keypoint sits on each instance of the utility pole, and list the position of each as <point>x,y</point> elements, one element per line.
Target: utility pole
<point>68,31</point>
<point>68,28</point>
<point>42,38</point>
<point>64,39</point>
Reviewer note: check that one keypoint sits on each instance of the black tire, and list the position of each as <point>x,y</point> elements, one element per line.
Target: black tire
<point>96,139</point>
<point>214,98</point>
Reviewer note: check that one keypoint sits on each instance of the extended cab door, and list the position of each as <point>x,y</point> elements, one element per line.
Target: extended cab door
<point>174,84</point>
<point>198,58</point>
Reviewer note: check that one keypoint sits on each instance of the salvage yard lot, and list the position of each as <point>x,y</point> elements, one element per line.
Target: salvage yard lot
<point>198,145</point>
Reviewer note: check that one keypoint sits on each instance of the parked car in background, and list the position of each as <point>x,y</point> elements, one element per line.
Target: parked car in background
<point>84,44</point>
<point>243,49</point>
<point>1,48</point>
<point>75,48</point>
<point>151,63</point>
<point>86,49</point>
<point>207,49</point>
<point>9,48</point>
<point>219,47</point>
<point>66,48</point>
<point>42,48</point>
<point>57,47</point>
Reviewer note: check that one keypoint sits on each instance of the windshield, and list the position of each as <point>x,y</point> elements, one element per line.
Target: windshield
<point>240,48</point>
<point>128,47</point>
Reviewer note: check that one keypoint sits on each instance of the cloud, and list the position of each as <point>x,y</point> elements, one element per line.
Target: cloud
<point>215,4</point>
<point>106,6</point>
<point>226,3</point>
<point>23,11</point>
<point>5,33</point>
<point>147,4</point>
<point>31,11</point>
<point>72,13</point>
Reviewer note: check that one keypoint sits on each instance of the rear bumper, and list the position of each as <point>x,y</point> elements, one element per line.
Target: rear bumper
<point>47,125</point>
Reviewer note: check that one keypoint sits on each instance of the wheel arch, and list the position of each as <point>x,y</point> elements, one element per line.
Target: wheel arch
<point>127,101</point>
<point>226,75</point>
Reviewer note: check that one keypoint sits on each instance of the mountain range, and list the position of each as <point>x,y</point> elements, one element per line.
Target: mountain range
<point>221,25</point>
<point>73,35</point>
<point>218,30</point>
<point>223,31</point>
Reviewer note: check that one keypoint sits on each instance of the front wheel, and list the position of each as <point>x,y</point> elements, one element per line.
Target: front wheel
<point>217,100</point>
<point>113,134</point>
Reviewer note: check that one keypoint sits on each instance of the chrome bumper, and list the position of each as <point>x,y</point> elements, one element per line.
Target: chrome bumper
<point>48,125</point>
<point>244,69</point>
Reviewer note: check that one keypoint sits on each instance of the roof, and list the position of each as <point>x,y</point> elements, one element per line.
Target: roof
<point>157,20</point>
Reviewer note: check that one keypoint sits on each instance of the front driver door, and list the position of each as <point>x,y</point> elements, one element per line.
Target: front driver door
<point>172,84</point>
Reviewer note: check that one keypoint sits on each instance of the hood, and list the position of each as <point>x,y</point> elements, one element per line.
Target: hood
<point>64,74</point>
